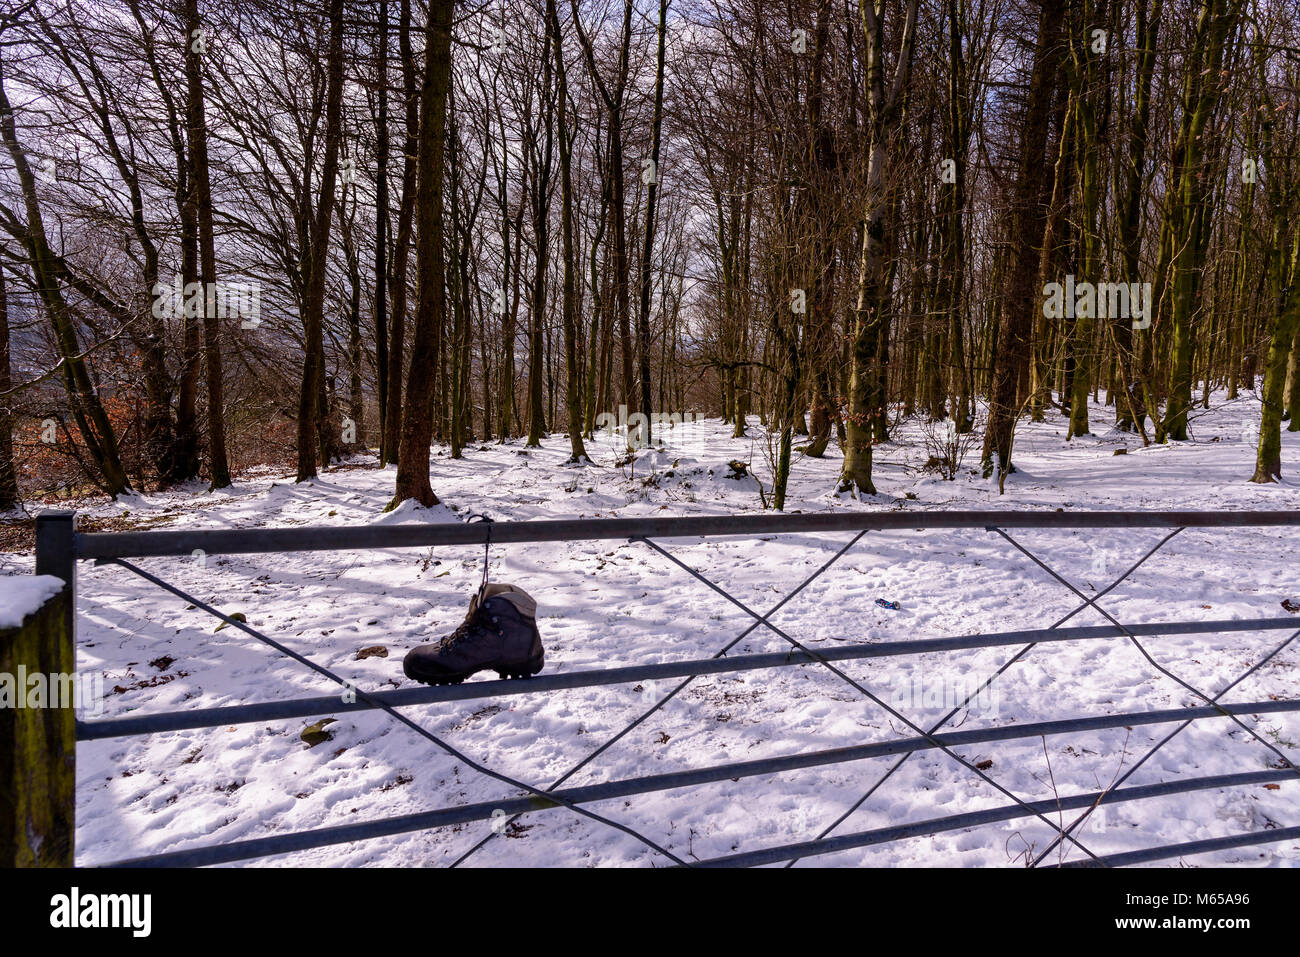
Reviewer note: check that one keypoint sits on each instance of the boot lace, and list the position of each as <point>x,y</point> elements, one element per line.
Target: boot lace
<point>474,622</point>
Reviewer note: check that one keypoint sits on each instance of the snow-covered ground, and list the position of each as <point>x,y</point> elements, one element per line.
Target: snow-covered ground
<point>604,604</point>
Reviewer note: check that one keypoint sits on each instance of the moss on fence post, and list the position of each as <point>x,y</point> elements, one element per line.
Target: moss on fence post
<point>38,744</point>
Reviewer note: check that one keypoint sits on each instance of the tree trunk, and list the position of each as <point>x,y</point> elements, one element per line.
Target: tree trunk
<point>1187,213</point>
<point>402,241</point>
<point>310,410</point>
<point>9,494</point>
<point>1019,299</point>
<point>573,362</point>
<point>431,306</point>
<point>541,157</point>
<point>201,192</point>
<point>647,245</point>
<point>381,227</point>
<point>866,377</point>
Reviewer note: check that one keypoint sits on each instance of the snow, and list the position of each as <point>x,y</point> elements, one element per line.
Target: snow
<point>20,595</point>
<point>608,603</point>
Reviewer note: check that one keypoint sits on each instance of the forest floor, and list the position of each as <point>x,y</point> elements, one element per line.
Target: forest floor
<point>604,604</point>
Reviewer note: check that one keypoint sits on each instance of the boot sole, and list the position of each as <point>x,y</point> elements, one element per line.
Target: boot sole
<point>525,670</point>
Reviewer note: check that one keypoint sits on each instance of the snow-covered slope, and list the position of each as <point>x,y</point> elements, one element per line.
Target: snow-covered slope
<point>608,603</point>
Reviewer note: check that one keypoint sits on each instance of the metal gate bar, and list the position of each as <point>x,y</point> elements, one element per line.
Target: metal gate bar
<point>58,549</point>
<point>409,697</point>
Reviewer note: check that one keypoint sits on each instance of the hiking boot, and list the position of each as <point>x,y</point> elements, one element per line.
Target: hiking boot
<point>499,633</point>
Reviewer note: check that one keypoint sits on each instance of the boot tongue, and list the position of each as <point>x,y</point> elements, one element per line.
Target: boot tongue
<point>483,594</point>
<point>524,603</point>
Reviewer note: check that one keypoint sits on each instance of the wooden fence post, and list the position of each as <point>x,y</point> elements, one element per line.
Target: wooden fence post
<point>38,745</point>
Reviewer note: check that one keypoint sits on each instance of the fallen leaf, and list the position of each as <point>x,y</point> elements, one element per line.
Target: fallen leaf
<point>315,734</point>
<point>237,616</point>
